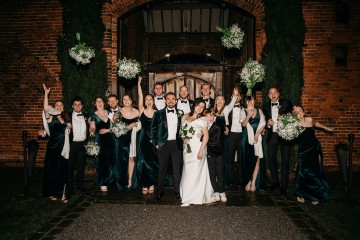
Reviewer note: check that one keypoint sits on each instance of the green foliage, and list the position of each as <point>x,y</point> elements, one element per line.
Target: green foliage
<point>86,81</point>
<point>282,53</point>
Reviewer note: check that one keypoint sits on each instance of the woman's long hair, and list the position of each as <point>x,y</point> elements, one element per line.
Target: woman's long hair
<point>216,111</point>
<point>64,113</point>
<point>94,102</point>
<point>196,103</point>
<point>154,106</point>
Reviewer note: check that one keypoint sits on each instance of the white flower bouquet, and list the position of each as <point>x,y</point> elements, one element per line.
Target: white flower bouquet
<point>128,68</point>
<point>289,127</point>
<point>81,53</point>
<point>252,73</point>
<point>233,37</point>
<point>119,128</point>
<point>186,133</point>
<point>92,148</point>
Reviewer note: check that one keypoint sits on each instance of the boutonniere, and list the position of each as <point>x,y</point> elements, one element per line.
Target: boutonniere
<point>279,106</point>
<point>179,113</point>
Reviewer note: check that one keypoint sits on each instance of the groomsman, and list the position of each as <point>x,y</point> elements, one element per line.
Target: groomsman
<point>165,137</point>
<point>113,103</point>
<point>272,110</point>
<point>235,117</point>
<point>205,95</point>
<point>183,102</point>
<point>159,96</point>
<point>78,137</point>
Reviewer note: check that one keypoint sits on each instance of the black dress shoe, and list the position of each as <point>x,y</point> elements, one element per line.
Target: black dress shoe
<point>177,195</point>
<point>158,197</point>
<point>274,186</point>
<point>263,190</point>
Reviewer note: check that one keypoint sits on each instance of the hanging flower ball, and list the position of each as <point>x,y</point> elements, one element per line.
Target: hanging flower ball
<point>128,68</point>
<point>252,73</point>
<point>233,37</point>
<point>81,53</point>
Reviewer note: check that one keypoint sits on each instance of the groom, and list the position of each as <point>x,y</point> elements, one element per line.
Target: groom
<point>165,137</point>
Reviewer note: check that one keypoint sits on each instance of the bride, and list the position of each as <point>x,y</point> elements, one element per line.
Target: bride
<point>195,185</point>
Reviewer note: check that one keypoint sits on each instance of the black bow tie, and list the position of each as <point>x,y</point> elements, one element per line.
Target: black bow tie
<point>114,111</point>
<point>274,104</point>
<point>237,105</point>
<point>80,114</point>
<point>160,98</point>
<point>183,101</point>
<point>206,100</point>
<point>170,110</point>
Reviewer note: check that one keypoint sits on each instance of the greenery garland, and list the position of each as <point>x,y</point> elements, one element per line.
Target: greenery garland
<point>282,53</point>
<point>86,81</point>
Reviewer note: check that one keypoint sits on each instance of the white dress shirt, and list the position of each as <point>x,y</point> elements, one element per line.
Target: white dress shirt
<point>112,112</point>
<point>274,115</point>
<point>172,122</point>
<point>78,127</point>
<point>159,102</point>
<point>238,116</point>
<point>183,106</point>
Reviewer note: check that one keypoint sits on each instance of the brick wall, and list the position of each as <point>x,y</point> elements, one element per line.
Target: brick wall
<point>330,93</point>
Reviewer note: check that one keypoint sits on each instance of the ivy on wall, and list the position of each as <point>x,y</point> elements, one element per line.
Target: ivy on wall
<point>282,53</point>
<point>86,81</point>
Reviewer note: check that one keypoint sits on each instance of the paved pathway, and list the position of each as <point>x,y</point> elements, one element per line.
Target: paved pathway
<point>131,215</point>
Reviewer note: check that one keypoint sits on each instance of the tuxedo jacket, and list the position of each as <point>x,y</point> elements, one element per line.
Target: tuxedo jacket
<point>214,146</point>
<point>159,129</point>
<point>212,102</point>
<point>86,117</point>
<point>285,106</point>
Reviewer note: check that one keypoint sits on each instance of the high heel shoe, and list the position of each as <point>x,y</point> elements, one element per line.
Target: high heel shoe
<point>253,189</point>
<point>151,189</point>
<point>300,200</point>
<point>314,203</point>
<point>145,191</point>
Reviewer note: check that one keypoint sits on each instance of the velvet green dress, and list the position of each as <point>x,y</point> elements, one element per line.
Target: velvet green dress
<point>248,158</point>
<point>55,165</point>
<point>310,182</point>
<point>121,165</point>
<point>105,159</point>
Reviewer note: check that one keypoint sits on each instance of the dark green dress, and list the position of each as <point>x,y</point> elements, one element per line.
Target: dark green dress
<point>105,159</point>
<point>248,158</point>
<point>121,165</point>
<point>55,165</point>
<point>220,121</point>
<point>310,183</point>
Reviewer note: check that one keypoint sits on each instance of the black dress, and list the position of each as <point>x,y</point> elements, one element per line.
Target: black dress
<point>105,159</point>
<point>310,183</point>
<point>55,165</point>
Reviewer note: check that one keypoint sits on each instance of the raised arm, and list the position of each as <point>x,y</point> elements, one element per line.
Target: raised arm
<point>46,98</point>
<point>140,96</point>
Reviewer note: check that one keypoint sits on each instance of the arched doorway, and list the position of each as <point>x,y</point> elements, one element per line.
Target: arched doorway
<point>185,31</point>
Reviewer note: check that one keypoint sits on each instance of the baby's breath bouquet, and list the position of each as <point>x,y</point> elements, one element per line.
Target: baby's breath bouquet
<point>81,53</point>
<point>252,73</point>
<point>289,127</point>
<point>119,128</point>
<point>233,37</point>
<point>128,68</point>
<point>92,148</point>
<point>186,133</point>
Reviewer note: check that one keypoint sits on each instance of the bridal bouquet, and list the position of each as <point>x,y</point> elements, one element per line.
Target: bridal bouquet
<point>92,148</point>
<point>186,133</point>
<point>252,73</point>
<point>81,53</point>
<point>128,68</point>
<point>233,37</point>
<point>119,128</point>
<point>288,127</point>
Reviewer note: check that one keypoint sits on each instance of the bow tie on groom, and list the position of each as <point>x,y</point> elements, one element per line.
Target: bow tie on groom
<point>275,104</point>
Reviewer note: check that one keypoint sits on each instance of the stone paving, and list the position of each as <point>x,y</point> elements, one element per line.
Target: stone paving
<point>132,215</point>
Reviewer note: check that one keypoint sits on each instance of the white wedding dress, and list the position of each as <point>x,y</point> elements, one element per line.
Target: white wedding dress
<point>195,185</point>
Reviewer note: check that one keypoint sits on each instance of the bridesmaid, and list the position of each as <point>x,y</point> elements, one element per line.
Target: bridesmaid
<point>251,143</point>
<point>56,166</point>
<point>310,183</point>
<point>147,159</point>
<point>126,174</point>
<point>220,111</point>
<point>100,127</point>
